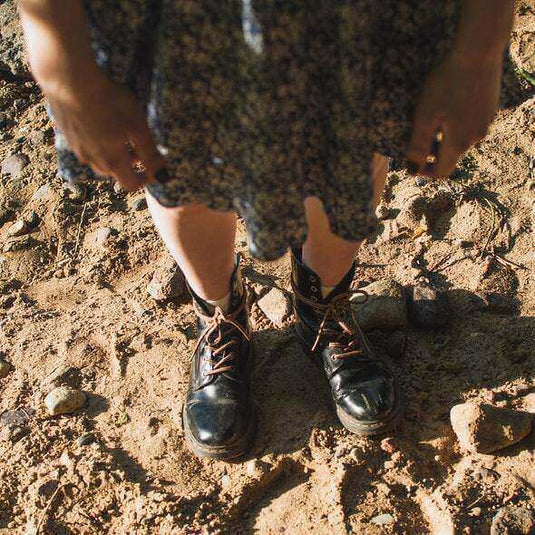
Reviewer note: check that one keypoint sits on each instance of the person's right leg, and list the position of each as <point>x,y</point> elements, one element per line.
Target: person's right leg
<point>202,243</point>
<point>218,415</point>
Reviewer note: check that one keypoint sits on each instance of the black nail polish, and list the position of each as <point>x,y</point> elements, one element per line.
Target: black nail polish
<point>162,176</point>
<point>412,167</point>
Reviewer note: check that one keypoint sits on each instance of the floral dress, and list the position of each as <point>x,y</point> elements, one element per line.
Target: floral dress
<point>258,104</point>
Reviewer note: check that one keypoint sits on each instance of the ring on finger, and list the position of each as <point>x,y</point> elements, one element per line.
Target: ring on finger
<point>138,167</point>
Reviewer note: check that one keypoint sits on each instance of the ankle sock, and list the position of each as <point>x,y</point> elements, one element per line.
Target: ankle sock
<point>222,303</point>
<point>326,290</point>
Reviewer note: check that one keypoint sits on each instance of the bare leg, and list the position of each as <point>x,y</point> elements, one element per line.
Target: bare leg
<point>202,243</point>
<point>326,254</point>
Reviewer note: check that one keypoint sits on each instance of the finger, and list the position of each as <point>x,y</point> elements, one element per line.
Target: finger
<point>141,137</point>
<point>423,132</point>
<point>450,150</point>
<point>120,167</point>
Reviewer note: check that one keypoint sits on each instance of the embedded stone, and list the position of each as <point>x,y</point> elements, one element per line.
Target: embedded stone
<point>64,400</point>
<point>482,428</point>
<point>385,307</point>
<point>14,164</point>
<point>275,305</point>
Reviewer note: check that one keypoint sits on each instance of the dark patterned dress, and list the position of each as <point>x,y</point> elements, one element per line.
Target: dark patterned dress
<point>258,104</point>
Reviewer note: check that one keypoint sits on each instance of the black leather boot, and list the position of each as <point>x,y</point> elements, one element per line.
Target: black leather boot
<point>219,415</point>
<point>363,388</point>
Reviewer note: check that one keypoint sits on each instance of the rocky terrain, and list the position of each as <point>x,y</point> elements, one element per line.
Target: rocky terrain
<point>95,335</point>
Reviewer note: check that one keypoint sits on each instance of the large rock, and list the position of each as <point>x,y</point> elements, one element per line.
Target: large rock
<point>482,428</point>
<point>14,164</point>
<point>64,400</point>
<point>275,305</point>
<point>385,308</point>
<point>167,282</point>
<point>512,520</point>
<point>428,308</point>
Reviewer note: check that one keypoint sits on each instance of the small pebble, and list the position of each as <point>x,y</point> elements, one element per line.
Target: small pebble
<point>383,520</point>
<point>19,228</point>
<point>275,305</point>
<point>103,236</point>
<point>167,281</point>
<point>5,368</point>
<point>513,520</point>
<point>382,211</point>
<point>139,203</point>
<point>64,400</point>
<point>14,164</point>
<point>389,445</point>
<point>355,454</point>
<point>85,439</point>
<point>41,193</point>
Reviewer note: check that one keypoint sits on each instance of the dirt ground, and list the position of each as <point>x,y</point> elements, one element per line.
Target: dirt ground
<point>76,311</point>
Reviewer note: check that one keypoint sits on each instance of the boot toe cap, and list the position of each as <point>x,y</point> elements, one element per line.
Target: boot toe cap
<point>373,401</point>
<point>216,425</point>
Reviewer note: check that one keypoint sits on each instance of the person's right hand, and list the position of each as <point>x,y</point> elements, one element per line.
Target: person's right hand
<point>106,128</point>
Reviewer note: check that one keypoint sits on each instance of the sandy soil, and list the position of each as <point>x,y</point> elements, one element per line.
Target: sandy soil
<point>78,313</point>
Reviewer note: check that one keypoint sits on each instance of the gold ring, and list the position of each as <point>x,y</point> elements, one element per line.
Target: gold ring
<point>431,159</point>
<point>138,167</point>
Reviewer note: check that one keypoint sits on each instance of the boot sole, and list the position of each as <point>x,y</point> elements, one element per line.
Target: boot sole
<point>234,450</point>
<point>368,429</point>
<point>358,427</point>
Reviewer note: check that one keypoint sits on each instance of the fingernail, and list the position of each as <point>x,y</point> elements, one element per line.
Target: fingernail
<point>162,176</point>
<point>412,167</point>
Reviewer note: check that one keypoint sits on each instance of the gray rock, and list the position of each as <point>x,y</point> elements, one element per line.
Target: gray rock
<point>383,520</point>
<point>19,228</point>
<point>482,428</point>
<point>275,305</point>
<point>428,308</point>
<point>84,439</point>
<point>41,193</point>
<point>37,138</point>
<point>139,204</point>
<point>103,236</point>
<point>385,307</point>
<point>382,211</point>
<point>512,520</point>
<point>5,368</point>
<point>167,282</point>
<point>64,400</point>
<point>14,164</point>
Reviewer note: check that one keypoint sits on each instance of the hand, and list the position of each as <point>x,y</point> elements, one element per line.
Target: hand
<point>106,128</point>
<point>460,98</point>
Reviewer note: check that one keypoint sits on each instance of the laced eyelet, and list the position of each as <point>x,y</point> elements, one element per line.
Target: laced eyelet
<point>313,288</point>
<point>313,298</point>
<point>312,279</point>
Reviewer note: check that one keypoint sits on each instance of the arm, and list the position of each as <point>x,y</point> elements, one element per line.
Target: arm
<point>97,116</point>
<point>461,95</point>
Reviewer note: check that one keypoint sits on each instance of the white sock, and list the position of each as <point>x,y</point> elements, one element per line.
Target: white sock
<point>326,290</point>
<point>222,303</point>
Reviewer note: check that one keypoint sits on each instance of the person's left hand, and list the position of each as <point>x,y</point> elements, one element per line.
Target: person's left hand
<point>459,99</point>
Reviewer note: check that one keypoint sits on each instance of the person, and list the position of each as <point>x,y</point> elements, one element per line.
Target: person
<point>285,113</point>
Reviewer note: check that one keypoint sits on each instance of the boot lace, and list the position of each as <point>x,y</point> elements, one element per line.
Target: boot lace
<point>219,326</point>
<point>345,337</point>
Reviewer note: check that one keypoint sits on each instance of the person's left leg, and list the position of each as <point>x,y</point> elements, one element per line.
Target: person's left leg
<point>364,389</point>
